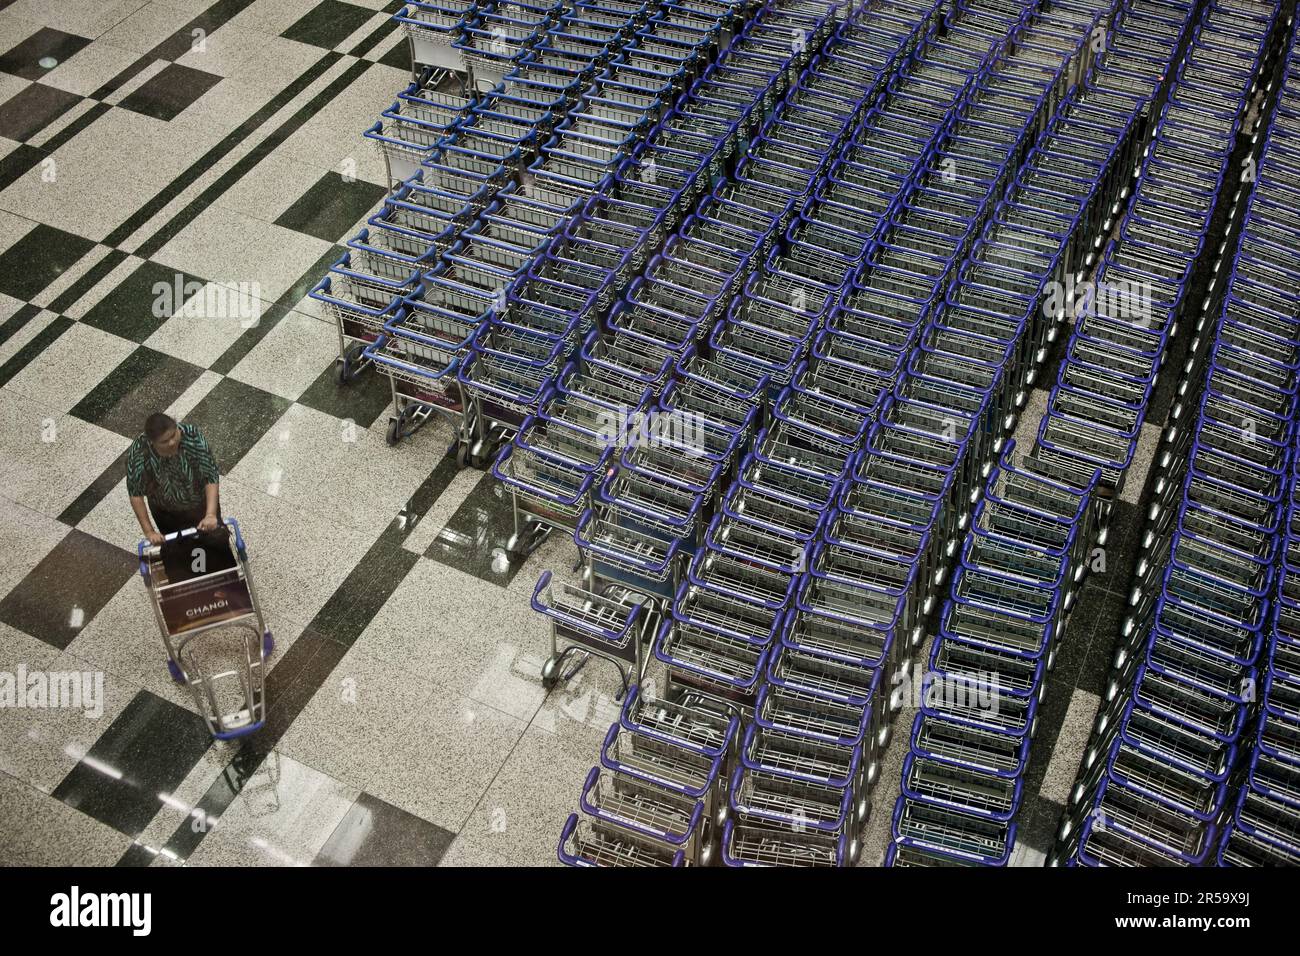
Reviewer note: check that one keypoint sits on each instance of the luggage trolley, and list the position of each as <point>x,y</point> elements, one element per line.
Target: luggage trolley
<point>193,613</point>
<point>615,625</point>
<point>433,29</point>
<point>425,113</point>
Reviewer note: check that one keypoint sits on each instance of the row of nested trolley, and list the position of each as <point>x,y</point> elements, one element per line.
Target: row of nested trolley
<point>1195,757</point>
<point>1031,541</point>
<point>705,489</point>
<point>521,210</point>
<point>748,299</point>
<point>792,586</point>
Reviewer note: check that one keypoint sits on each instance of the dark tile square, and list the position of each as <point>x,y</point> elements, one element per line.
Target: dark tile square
<point>141,302</point>
<point>233,417</point>
<point>362,400</point>
<point>475,539</point>
<point>30,110</point>
<point>37,344</point>
<point>37,259</point>
<point>1123,542</point>
<point>1094,605</point>
<point>330,209</point>
<point>1038,821</point>
<point>1072,651</point>
<point>147,751</point>
<point>375,833</point>
<point>171,92</point>
<point>145,382</point>
<point>16,322</point>
<point>398,57</point>
<point>328,24</point>
<point>95,492</point>
<point>1051,717</point>
<point>1108,612</point>
<point>24,59</point>
<point>352,607</point>
<point>63,593</point>
<point>20,161</point>
<point>1100,659</point>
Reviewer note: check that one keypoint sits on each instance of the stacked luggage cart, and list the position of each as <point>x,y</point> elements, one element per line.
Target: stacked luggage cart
<point>809,637</point>
<point>505,238</point>
<point>659,794</point>
<point>748,300</point>
<point>974,103</point>
<point>628,445</point>
<point>1027,552</point>
<point>1193,759</point>
<point>720,566</point>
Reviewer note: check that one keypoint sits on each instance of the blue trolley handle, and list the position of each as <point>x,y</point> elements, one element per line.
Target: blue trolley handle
<point>610,762</point>
<point>188,532</point>
<point>733,723</point>
<point>602,814</point>
<point>550,612</point>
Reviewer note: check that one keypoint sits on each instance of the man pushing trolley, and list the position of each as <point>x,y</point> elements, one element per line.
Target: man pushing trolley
<point>195,568</point>
<point>216,636</point>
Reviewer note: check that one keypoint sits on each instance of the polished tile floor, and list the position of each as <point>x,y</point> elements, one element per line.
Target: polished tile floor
<point>153,154</point>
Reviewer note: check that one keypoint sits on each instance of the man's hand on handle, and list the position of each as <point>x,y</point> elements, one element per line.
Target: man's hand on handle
<point>209,523</point>
<point>155,538</point>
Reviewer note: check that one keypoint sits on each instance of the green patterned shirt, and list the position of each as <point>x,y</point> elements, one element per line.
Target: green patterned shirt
<point>174,483</point>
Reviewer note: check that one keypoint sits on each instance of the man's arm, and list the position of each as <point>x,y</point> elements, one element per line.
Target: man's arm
<point>135,488</point>
<point>142,516</point>
<point>211,499</point>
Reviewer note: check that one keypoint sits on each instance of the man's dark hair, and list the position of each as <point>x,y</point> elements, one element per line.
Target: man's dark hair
<point>157,425</point>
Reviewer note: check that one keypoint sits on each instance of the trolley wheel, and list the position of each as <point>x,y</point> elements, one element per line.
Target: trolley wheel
<point>518,548</point>
<point>862,811</point>
<point>397,429</point>
<point>488,451</point>
<point>268,645</point>
<point>351,364</point>
<point>1065,829</point>
<point>175,671</point>
<point>462,456</point>
<point>550,672</point>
